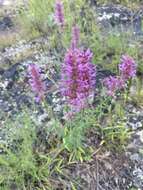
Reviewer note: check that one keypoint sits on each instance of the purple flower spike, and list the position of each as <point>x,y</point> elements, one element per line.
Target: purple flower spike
<point>38,86</point>
<point>113,84</point>
<point>127,67</point>
<point>75,36</point>
<point>59,13</point>
<point>78,78</point>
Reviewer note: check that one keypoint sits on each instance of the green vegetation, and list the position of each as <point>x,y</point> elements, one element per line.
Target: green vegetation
<point>38,20</point>
<point>34,155</point>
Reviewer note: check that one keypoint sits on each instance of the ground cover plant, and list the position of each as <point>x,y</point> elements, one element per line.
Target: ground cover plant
<point>78,138</point>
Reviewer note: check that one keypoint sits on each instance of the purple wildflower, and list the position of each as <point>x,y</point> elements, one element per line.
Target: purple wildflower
<point>113,84</point>
<point>78,77</point>
<point>59,15</point>
<point>38,86</point>
<point>75,36</point>
<point>127,67</point>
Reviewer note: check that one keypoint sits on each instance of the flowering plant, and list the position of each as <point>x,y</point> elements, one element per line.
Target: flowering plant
<point>127,70</point>
<point>75,36</point>
<point>127,67</point>
<point>78,77</point>
<point>113,84</point>
<point>38,86</point>
<point>59,13</point>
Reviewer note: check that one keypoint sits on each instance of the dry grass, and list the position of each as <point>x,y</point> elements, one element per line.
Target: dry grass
<point>8,38</point>
<point>10,6</point>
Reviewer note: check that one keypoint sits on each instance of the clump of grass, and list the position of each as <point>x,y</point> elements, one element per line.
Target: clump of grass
<point>35,16</point>
<point>23,163</point>
<point>8,39</point>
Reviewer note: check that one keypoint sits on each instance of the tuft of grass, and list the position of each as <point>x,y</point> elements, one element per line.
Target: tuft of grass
<point>8,38</point>
<point>22,165</point>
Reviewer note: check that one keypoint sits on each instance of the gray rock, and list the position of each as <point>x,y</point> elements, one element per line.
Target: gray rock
<point>135,157</point>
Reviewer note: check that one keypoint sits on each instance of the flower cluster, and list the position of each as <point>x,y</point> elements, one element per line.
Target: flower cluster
<point>78,77</point>
<point>38,86</point>
<point>113,84</point>
<point>127,67</point>
<point>75,36</point>
<point>59,13</point>
<point>127,70</point>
